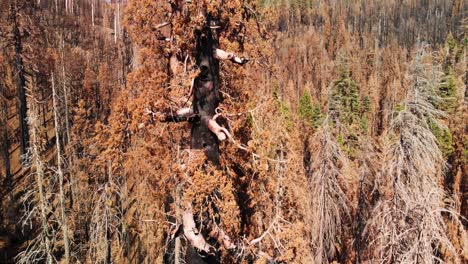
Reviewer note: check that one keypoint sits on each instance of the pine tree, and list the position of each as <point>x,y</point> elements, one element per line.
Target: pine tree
<point>310,111</point>
<point>348,112</point>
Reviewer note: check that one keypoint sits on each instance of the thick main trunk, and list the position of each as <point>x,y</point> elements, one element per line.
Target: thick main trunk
<point>206,96</point>
<point>205,101</point>
<point>205,135</point>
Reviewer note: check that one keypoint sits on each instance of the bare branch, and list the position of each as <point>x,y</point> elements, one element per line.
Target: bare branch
<point>191,232</point>
<point>218,130</point>
<point>225,55</point>
<point>221,236</point>
<point>162,25</point>
<point>180,115</point>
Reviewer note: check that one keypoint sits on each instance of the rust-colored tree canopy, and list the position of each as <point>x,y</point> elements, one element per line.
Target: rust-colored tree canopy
<point>233,131</point>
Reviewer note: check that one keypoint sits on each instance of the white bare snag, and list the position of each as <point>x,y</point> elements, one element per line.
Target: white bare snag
<point>407,223</point>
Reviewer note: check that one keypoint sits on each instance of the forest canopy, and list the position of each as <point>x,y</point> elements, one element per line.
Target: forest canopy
<point>233,131</point>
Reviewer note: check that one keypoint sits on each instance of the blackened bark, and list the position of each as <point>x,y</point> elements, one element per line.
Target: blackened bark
<point>5,144</point>
<point>20,82</point>
<point>381,114</point>
<point>44,113</point>
<point>206,93</point>
<point>359,229</point>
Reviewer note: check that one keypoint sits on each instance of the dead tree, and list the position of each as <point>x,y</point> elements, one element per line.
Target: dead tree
<point>4,151</point>
<point>408,221</point>
<point>20,79</point>
<point>330,204</point>
<point>35,200</point>
<point>206,132</point>
<point>5,143</point>
<point>4,135</point>
<point>67,120</point>
<point>63,216</point>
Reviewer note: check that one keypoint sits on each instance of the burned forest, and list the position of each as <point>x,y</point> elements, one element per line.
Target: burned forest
<point>233,131</point>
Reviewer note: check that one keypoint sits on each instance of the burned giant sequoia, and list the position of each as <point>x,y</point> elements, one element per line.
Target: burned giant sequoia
<point>206,94</point>
<point>206,133</point>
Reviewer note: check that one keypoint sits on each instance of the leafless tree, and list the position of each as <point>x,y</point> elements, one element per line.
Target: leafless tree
<point>106,217</point>
<point>329,200</point>
<point>60,174</point>
<point>35,200</point>
<point>20,77</point>
<point>407,223</point>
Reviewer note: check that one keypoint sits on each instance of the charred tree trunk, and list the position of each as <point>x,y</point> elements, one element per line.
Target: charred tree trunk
<point>20,81</point>
<point>382,113</point>
<point>206,93</point>
<point>5,144</point>
<point>206,133</point>
<point>44,113</point>
<point>205,101</point>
